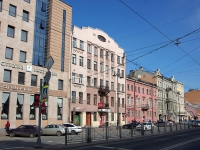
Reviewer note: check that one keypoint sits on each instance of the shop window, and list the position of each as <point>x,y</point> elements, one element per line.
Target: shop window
<point>5,105</point>
<point>32,108</point>
<point>59,112</point>
<point>19,106</point>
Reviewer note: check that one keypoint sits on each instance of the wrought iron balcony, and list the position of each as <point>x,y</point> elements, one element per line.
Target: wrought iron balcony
<point>103,91</point>
<point>145,107</point>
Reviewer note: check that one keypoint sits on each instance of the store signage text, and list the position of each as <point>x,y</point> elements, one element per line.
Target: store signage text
<point>12,65</point>
<point>15,88</point>
<point>44,71</point>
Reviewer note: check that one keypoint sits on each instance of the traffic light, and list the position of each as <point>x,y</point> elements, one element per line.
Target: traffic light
<point>36,100</point>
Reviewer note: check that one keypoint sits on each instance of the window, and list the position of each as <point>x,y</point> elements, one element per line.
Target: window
<point>89,48</point>
<point>118,72</point>
<point>88,64</point>
<point>143,90</point>
<point>128,99</point>
<point>81,97</point>
<point>24,35</point>
<point>25,15</point>
<point>95,51</point>
<point>122,75</point>
<point>95,116</point>
<point>147,91</point>
<point>32,108</point>
<point>101,53</point>
<point>74,42</point>
<point>112,117</point>
<point>112,86</point>
<point>112,70</point>
<point>122,60</point>
<point>122,87</point>
<point>11,31</point>
<point>80,61</point>
<point>73,96</point>
<point>88,98</point>
<point>33,80</point>
<point>112,101</point>
<point>80,78</point>
<point>28,1</point>
<point>128,112</point>
<point>88,80</point>
<point>107,84</point>
<point>60,84</point>
<point>112,58</point>
<point>9,53</point>
<point>59,108</point>
<point>95,82</point>
<point>7,76</point>
<point>73,59</point>
<point>95,65</point>
<point>81,44</point>
<point>132,113</point>
<point>44,7</point>
<point>118,87</point>
<point>131,87</point>
<point>118,59</point>
<point>101,67</point>
<point>138,89</point>
<point>128,87</point>
<point>19,106</point>
<point>73,77</point>
<point>122,102</point>
<point>22,56</point>
<point>106,55</point>
<point>101,82</point>
<point>42,25</point>
<point>21,77</point>
<point>12,10</point>
<point>106,69</point>
<point>5,105</point>
<point>0,5</point>
<point>132,100</point>
<point>95,99</point>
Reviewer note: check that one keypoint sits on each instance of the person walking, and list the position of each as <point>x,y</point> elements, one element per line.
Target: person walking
<point>7,126</point>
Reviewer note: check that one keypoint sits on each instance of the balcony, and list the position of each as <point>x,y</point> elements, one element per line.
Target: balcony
<point>145,107</point>
<point>103,91</point>
<point>168,99</point>
<point>103,107</point>
<point>168,89</point>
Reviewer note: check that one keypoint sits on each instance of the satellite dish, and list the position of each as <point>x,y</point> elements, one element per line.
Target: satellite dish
<point>139,76</point>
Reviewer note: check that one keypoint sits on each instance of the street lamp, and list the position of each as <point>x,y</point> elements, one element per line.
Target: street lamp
<point>118,76</point>
<point>179,106</point>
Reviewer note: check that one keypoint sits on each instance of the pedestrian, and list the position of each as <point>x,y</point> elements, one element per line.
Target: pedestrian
<point>7,126</point>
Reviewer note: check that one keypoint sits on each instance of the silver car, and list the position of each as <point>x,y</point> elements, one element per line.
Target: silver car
<point>54,129</point>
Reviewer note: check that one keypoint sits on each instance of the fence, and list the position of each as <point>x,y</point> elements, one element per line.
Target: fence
<point>90,134</point>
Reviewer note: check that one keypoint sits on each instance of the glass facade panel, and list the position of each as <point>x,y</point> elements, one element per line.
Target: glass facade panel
<point>21,77</point>
<point>63,40</point>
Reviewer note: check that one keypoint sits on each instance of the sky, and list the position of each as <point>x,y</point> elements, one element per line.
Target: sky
<point>148,30</point>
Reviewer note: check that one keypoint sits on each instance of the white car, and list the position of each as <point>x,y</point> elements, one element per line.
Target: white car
<point>54,129</point>
<point>73,129</point>
<point>147,126</point>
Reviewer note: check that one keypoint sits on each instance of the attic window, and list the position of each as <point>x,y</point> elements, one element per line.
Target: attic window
<point>101,38</point>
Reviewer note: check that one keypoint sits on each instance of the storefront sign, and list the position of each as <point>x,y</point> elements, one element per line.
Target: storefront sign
<point>77,85</point>
<point>43,71</point>
<point>11,65</point>
<point>15,88</point>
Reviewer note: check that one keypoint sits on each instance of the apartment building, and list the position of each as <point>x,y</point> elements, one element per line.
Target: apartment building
<point>170,94</point>
<point>31,31</point>
<point>141,102</point>
<point>96,58</point>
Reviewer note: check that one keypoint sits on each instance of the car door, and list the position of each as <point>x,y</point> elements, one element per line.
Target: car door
<point>48,130</point>
<point>26,131</point>
<point>19,130</point>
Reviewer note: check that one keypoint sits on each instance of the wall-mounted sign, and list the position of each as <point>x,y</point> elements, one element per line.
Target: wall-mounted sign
<point>28,68</point>
<point>8,87</point>
<point>77,85</point>
<point>16,66</point>
<point>43,71</point>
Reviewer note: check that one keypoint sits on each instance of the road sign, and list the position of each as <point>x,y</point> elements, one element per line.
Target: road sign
<point>45,92</point>
<point>49,63</point>
<point>47,76</point>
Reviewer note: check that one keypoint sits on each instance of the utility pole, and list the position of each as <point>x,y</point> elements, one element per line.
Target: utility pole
<point>134,101</point>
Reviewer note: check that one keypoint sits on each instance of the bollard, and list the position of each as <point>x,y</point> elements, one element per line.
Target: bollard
<point>89,135</point>
<point>66,131</point>
<point>170,126</point>
<point>142,129</point>
<point>106,133</point>
<point>120,132</point>
<point>131,131</point>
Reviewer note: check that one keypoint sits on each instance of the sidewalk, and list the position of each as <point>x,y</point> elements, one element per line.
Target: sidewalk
<point>3,132</point>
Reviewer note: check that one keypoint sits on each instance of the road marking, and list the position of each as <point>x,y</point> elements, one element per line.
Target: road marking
<point>180,144</point>
<point>111,147</point>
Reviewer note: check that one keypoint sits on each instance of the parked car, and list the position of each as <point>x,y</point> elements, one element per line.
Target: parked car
<point>130,125</point>
<point>24,130</point>
<point>147,126</point>
<point>170,122</point>
<point>194,123</point>
<point>54,129</point>
<point>73,129</point>
<point>160,123</point>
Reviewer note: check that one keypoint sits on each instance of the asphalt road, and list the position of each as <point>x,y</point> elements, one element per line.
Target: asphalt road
<point>187,140</point>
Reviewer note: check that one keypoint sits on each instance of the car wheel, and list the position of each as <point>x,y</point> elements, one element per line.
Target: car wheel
<point>58,133</point>
<point>31,135</point>
<point>12,134</point>
<point>73,132</point>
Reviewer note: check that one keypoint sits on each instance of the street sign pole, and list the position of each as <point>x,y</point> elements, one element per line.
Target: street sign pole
<point>39,145</point>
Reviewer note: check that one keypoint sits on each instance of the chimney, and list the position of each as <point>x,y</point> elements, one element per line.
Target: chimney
<point>131,73</point>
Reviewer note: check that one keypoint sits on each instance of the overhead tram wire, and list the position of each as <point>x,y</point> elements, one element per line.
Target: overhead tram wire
<point>159,31</point>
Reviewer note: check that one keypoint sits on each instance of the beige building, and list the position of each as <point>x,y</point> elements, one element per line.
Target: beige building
<point>96,57</point>
<point>31,31</point>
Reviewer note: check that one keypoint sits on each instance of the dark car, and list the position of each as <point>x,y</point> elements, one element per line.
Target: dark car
<point>130,125</point>
<point>160,123</point>
<point>24,130</point>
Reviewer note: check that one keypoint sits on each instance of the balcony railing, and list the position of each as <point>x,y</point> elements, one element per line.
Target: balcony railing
<point>168,99</point>
<point>145,107</point>
<point>168,89</point>
<point>103,90</point>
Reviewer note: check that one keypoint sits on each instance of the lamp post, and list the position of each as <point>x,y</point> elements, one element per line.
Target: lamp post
<point>134,101</point>
<point>117,75</point>
<point>179,106</point>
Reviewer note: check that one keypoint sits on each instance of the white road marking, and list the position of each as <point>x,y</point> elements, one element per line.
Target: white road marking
<point>180,144</point>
